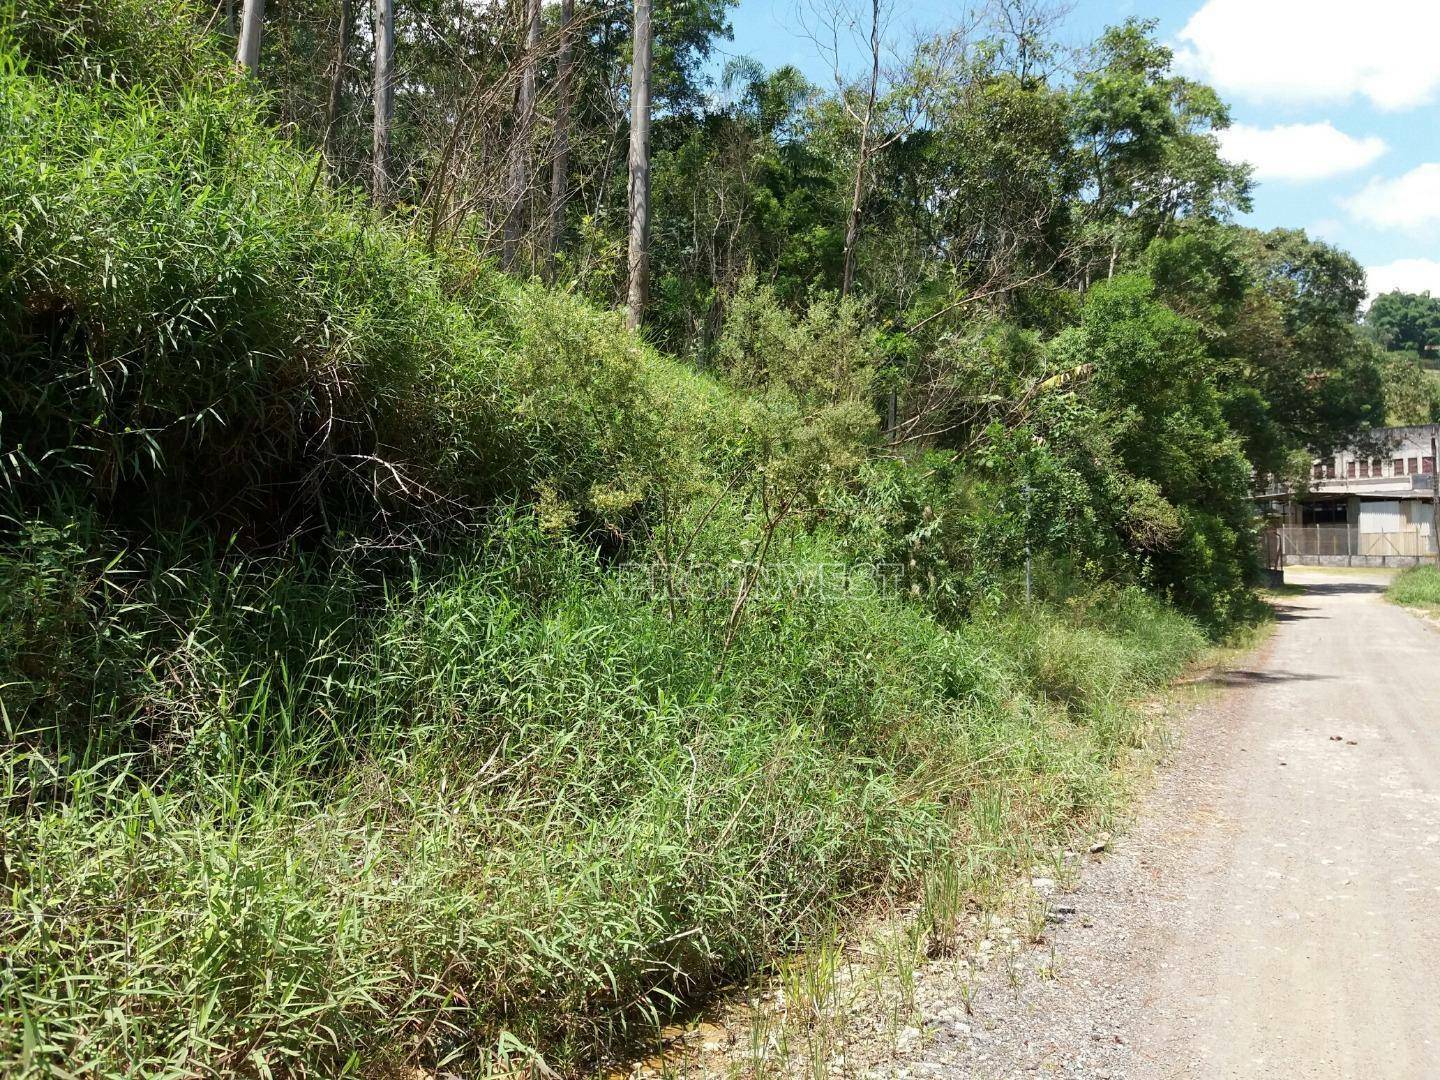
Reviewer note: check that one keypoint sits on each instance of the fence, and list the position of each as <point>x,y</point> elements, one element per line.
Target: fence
<point>1348,542</point>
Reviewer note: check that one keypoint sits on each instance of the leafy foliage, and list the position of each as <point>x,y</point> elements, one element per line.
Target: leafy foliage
<point>1406,321</point>
<point>1407,327</point>
<point>403,666</point>
<point>167,355</point>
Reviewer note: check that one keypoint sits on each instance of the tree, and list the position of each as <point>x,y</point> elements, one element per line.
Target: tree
<point>1146,142</point>
<point>745,189</point>
<point>337,85</point>
<point>252,26</point>
<point>384,98</point>
<point>1297,340</point>
<point>560,163</point>
<point>520,137</point>
<point>639,161</point>
<point>862,102</point>
<point>863,152</point>
<point>1406,321</point>
<point>999,148</point>
<point>1412,394</point>
<point>1154,392</point>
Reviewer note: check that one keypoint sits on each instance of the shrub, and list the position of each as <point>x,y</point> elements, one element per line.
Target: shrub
<point>196,325</point>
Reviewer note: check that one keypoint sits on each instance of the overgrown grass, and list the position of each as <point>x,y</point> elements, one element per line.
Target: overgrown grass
<point>195,322</point>
<point>333,827</point>
<point>1419,586</point>
<point>319,763</point>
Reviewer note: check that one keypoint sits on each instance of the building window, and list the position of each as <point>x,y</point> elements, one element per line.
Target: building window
<point>1330,469</point>
<point>1414,466</point>
<point>1350,470</point>
<point>1377,467</point>
<point>1323,513</point>
<point>1427,465</point>
<point>1399,467</point>
<point>1365,469</point>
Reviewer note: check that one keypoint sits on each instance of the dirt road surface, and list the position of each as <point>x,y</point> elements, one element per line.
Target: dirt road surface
<point>1275,910</point>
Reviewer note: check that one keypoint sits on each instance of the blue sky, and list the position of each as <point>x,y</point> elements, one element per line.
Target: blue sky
<point>1335,102</point>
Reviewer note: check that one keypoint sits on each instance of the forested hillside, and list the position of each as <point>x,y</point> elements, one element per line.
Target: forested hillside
<point>404,664</point>
<point>1407,327</point>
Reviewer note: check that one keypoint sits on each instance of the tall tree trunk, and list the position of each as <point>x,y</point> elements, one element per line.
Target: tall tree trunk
<point>520,138</point>
<point>337,83</point>
<point>852,220</point>
<point>384,98</point>
<point>862,159</point>
<point>639,262</point>
<point>252,24</point>
<point>560,166</point>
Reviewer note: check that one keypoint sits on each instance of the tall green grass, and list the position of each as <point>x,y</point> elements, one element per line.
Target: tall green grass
<point>337,737</point>
<point>195,325</point>
<point>1418,586</point>
<point>333,825</point>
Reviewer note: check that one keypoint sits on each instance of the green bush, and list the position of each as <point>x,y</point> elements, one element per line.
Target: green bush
<point>160,43</point>
<point>194,324</point>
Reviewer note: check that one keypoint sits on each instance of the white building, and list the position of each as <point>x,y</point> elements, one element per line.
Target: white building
<point>1371,504</point>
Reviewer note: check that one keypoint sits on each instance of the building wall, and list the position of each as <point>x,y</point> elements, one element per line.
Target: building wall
<point>1382,453</point>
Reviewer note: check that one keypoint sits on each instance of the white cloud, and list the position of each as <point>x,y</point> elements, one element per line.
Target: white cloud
<point>1410,201</point>
<point>1299,151</point>
<point>1407,275</point>
<point>1302,51</point>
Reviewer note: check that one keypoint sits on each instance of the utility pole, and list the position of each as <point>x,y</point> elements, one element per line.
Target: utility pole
<point>1435,490</point>
<point>639,259</point>
<point>252,24</point>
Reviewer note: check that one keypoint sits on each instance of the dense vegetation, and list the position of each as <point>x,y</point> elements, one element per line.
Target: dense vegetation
<point>1418,586</point>
<point>1407,327</point>
<point>403,665</point>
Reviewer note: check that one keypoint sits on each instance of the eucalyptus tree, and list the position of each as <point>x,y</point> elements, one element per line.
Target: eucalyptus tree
<point>520,137</point>
<point>639,167</point>
<point>335,97</point>
<point>384,97</point>
<point>560,160</point>
<point>252,27</point>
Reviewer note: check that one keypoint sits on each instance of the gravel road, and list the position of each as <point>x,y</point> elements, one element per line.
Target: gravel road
<point>1275,909</point>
